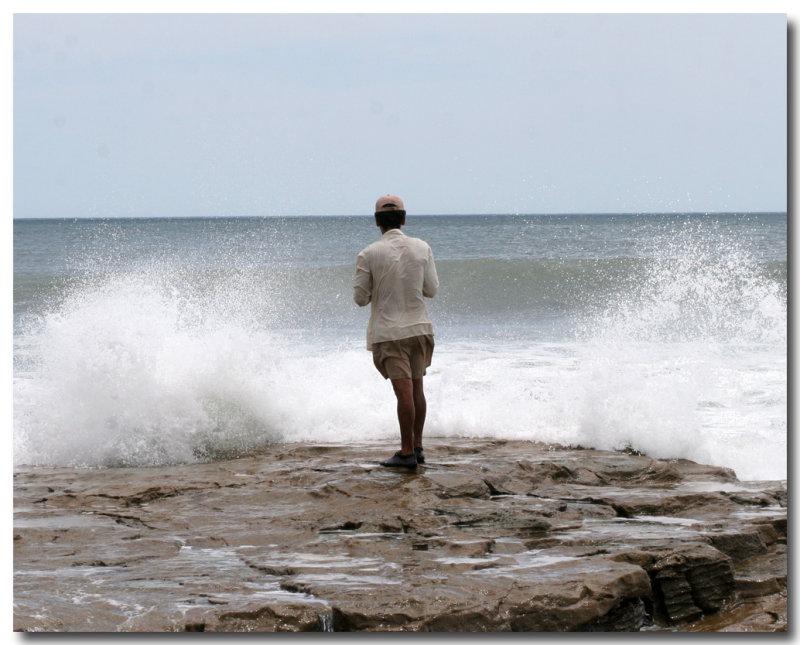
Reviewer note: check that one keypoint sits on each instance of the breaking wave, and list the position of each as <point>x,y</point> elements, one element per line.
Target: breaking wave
<point>682,355</point>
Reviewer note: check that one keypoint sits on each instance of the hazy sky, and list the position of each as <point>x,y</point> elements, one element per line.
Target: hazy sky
<point>274,114</point>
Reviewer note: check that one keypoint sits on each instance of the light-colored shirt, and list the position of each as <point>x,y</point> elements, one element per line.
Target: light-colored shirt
<point>395,274</point>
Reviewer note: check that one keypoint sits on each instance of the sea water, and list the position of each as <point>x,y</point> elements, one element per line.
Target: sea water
<point>161,341</point>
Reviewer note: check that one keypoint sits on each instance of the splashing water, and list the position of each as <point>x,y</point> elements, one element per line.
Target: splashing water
<point>689,360</point>
<point>686,360</point>
<point>158,362</point>
<point>132,372</point>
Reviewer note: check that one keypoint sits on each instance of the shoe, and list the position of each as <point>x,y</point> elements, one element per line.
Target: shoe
<point>420,454</point>
<point>399,459</point>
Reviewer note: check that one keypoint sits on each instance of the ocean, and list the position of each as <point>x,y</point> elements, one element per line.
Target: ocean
<point>141,342</point>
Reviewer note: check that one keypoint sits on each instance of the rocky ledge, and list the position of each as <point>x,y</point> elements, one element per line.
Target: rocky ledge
<point>487,536</point>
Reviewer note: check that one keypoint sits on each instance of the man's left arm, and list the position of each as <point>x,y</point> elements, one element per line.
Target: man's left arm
<point>362,282</point>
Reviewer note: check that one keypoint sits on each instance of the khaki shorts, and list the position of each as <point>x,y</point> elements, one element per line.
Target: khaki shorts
<point>404,358</point>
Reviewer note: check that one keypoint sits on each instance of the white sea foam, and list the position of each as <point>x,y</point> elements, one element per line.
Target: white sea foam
<point>130,372</point>
<point>690,361</point>
<point>145,367</point>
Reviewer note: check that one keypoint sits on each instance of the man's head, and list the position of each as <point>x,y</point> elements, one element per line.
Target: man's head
<point>390,212</point>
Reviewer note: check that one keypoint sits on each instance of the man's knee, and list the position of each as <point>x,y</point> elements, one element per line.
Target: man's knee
<point>403,387</point>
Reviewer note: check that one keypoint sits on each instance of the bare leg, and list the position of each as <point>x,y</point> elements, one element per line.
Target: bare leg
<point>403,390</point>
<point>420,409</point>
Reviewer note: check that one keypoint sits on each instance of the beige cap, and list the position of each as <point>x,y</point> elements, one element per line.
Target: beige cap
<point>389,203</point>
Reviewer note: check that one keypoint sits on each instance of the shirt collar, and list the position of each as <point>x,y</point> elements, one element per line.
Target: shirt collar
<point>393,231</point>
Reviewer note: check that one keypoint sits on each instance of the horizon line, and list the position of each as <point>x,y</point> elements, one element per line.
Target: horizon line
<point>317,215</point>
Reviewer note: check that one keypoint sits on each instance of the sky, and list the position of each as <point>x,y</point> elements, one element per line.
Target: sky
<point>158,115</point>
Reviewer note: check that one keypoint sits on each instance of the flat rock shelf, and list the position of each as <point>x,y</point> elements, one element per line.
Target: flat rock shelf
<point>486,536</point>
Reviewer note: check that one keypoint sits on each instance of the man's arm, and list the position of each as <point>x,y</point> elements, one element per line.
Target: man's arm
<point>430,282</point>
<point>362,282</point>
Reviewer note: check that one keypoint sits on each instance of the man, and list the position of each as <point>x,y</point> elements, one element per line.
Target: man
<point>395,274</point>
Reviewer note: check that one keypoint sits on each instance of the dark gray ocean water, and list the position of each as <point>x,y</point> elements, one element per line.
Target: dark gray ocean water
<point>146,341</point>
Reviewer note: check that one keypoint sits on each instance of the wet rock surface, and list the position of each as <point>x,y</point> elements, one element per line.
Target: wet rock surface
<point>486,536</point>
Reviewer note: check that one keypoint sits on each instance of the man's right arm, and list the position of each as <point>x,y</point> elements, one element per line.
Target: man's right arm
<point>430,281</point>
<point>362,281</point>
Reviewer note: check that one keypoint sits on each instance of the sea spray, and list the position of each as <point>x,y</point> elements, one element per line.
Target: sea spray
<point>129,374</point>
<point>664,335</point>
<point>678,363</point>
<point>148,367</point>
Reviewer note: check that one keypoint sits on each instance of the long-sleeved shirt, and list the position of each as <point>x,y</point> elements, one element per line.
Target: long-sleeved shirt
<point>395,274</point>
